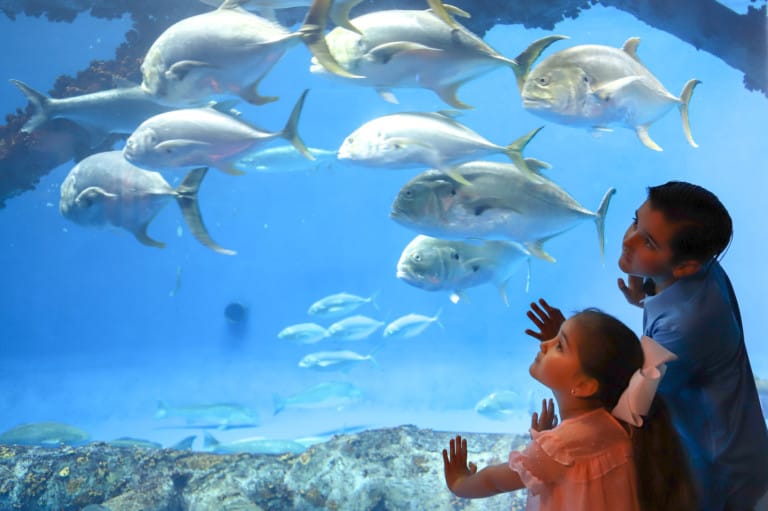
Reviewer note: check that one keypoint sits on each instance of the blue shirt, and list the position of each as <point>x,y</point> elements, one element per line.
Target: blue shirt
<point>710,389</point>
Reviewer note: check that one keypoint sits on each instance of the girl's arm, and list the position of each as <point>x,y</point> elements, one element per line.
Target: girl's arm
<point>465,481</point>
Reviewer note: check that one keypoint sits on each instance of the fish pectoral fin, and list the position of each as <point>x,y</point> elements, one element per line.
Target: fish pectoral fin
<point>180,144</point>
<point>645,138</point>
<point>383,53</point>
<point>454,174</point>
<point>144,239</point>
<point>180,70</point>
<point>388,96</point>
<point>609,90</point>
<point>535,165</point>
<point>536,248</point>
<point>482,204</point>
<point>93,195</point>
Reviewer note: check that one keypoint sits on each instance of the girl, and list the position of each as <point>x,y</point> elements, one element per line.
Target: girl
<point>615,448</point>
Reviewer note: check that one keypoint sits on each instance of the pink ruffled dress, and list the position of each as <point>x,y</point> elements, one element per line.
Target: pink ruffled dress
<point>584,464</point>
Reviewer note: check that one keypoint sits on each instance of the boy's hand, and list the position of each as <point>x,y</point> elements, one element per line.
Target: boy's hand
<point>633,290</point>
<point>547,419</point>
<point>455,463</point>
<point>546,318</point>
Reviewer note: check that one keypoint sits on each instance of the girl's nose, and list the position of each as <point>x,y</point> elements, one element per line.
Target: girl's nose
<point>544,346</point>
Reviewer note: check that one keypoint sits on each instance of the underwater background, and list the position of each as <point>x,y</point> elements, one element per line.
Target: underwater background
<point>96,329</point>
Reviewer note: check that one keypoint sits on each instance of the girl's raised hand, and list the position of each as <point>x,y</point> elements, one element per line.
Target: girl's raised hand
<point>546,318</point>
<point>455,462</point>
<point>547,419</point>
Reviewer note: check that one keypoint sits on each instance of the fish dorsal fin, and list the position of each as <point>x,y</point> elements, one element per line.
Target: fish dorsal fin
<point>630,47</point>
<point>536,248</point>
<point>536,165</point>
<point>450,114</point>
<point>340,15</point>
<point>448,92</point>
<point>456,11</point>
<point>445,12</point>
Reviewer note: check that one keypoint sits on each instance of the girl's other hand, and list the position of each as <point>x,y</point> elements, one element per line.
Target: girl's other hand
<point>547,419</point>
<point>546,318</point>
<point>455,463</point>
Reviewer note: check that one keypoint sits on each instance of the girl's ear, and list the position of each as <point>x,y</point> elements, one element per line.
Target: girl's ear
<point>586,387</point>
<point>685,269</point>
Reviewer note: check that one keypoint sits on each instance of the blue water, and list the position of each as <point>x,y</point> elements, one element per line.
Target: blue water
<point>92,334</point>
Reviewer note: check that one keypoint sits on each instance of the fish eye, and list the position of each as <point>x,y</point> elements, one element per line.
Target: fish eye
<point>453,192</point>
<point>455,256</point>
<point>586,79</point>
<point>416,257</point>
<point>408,193</point>
<point>543,80</point>
<point>475,268</point>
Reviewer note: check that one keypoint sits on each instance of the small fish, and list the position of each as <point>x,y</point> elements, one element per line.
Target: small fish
<point>354,328</point>
<point>411,325</point>
<point>500,405</point>
<point>104,189</point>
<point>195,137</point>
<point>324,395</point>
<point>215,415</point>
<point>118,110</point>
<point>435,264</point>
<point>598,86</point>
<point>286,158</point>
<point>236,312</point>
<point>135,443</point>
<point>252,445</point>
<point>339,304</point>
<point>303,333</point>
<point>44,433</point>
<point>334,360</point>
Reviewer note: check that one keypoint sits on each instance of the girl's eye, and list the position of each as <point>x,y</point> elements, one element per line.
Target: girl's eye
<point>559,346</point>
<point>634,221</point>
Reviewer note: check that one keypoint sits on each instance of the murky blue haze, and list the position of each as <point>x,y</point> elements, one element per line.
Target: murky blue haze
<point>92,334</point>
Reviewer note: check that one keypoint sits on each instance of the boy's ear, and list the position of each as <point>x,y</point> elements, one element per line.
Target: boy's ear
<point>686,269</point>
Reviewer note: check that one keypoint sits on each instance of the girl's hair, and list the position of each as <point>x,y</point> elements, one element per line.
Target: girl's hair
<point>703,226</point>
<point>610,352</point>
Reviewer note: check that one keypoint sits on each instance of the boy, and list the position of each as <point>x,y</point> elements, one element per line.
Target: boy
<point>670,254</point>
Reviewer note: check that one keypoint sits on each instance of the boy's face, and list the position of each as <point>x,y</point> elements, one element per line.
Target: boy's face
<point>645,249</point>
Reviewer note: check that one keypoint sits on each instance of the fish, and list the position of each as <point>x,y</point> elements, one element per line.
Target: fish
<point>411,325</point>
<point>500,405</point>
<point>421,139</point>
<point>435,264</point>
<point>214,415</point>
<point>252,445</point>
<point>339,304</point>
<point>227,51</point>
<point>44,433</point>
<point>138,443</point>
<point>332,394</point>
<point>503,202</point>
<point>120,110</point>
<point>286,158</point>
<point>339,12</point>
<point>303,333</point>
<point>598,86</point>
<point>425,49</point>
<point>236,312</point>
<point>195,137</point>
<point>354,328</point>
<point>334,360</point>
<point>104,189</point>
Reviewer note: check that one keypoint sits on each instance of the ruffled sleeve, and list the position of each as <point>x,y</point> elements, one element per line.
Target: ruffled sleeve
<point>542,463</point>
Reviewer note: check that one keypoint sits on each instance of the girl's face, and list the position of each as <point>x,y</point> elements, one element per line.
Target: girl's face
<point>557,365</point>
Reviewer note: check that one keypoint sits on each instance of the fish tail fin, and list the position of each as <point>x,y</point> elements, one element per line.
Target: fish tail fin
<point>209,441</point>
<point>524,62</point>
<point>685,99</point>
<point>602,210</point>
<point>312,33</point>
<point>185,444</point>
<point>291,130</point>
<point>514,151</point>
<point>278,404</point>
<point>373,299</point>
<point>40,106</point>
<point>186,197</point>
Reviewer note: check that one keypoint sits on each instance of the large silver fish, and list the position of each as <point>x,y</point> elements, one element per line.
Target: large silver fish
<point>226,52</point>
<point>323,395</point>
<point>334,360</point>
<point>435,264</point>
<point>194,137</point>
<point>501,405</point>
<point>286,158</point>
<point>413,49</point>
<point>104,189</point>
<point>421,139</point>
<point>503,201</point>
<point>118,110</point>
<point>252,445</point>
<point>44,433</point>
<point>213,415</point>
<point>598,86</point>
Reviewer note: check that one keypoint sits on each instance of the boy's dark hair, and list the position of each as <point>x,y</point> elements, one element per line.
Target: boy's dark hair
<point>704,227</point>
<point>610,352</point>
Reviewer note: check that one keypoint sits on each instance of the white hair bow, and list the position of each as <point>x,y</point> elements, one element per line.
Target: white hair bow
<point>636,399</point>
